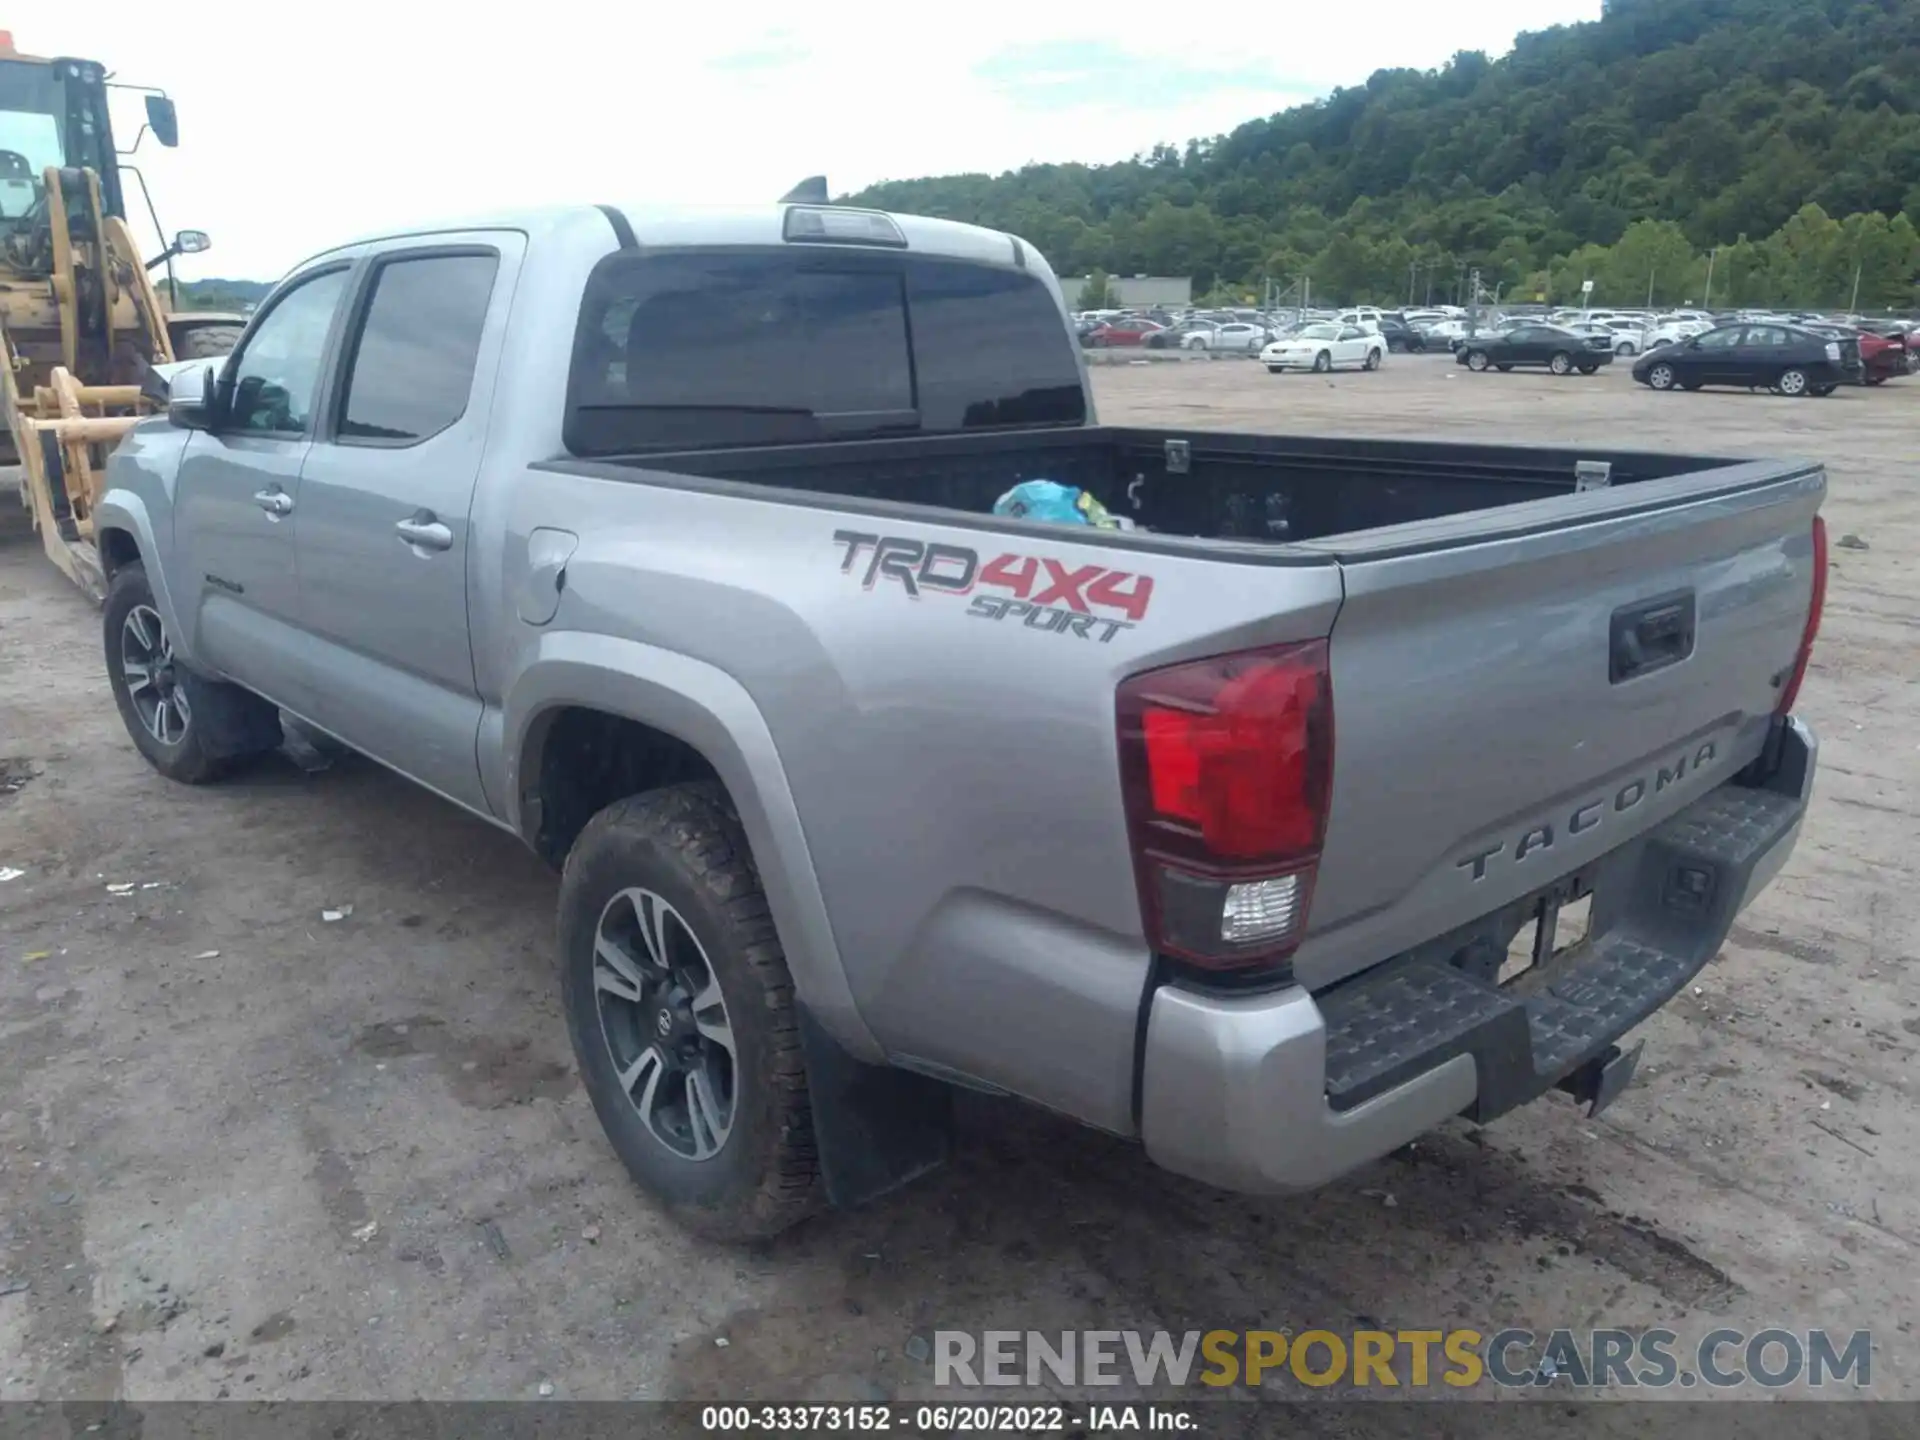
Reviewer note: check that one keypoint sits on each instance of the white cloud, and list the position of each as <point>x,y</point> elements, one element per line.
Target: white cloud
<point>304,125</point>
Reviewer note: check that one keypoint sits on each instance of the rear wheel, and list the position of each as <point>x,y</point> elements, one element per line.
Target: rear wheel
<point>1373,360</point>
<point>1661,377</point>
<point>682,1013</point>
<point>1322,363</point>
<point>1561,363</point>
<point>1822,391</point>
<point>1477,360</point>
<point>1792,382</point>
<point>1625,349</point>
<point>1587,367</point>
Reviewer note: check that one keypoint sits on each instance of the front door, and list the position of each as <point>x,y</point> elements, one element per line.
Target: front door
<point>1712,358</point>
<point>384,543</point>
<point>236,593</point>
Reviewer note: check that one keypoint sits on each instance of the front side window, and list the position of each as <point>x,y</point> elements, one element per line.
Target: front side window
<point>413,363</point>
<point>708,349</point>
<point>275,377</point>
<point>1719,339</point>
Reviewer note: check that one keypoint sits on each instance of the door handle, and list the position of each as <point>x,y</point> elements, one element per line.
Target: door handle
<point>276,502</point>
<point>424,532</point>
<point>1651,635</point>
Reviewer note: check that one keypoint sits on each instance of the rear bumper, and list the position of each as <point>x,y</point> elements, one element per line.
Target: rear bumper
<point>1286,1091</point>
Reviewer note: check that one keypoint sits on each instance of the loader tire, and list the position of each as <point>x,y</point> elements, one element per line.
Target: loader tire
<point>207,342</point>
<point>188,727</point>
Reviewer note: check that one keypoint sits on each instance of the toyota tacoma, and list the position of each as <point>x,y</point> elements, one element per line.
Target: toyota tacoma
<point>1254,828</point>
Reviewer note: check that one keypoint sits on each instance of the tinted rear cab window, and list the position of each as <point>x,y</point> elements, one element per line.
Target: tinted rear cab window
<point>702,349</point>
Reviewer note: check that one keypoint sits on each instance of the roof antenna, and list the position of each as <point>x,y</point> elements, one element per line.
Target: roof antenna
<point>810,191</point>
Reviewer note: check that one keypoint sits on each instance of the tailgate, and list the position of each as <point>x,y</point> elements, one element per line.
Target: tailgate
<point>1518,693</point>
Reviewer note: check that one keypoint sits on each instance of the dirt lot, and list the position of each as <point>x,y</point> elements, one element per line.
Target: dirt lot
<point>247,1153</point>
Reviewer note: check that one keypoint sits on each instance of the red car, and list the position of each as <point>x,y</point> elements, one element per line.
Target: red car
<point>1889,351</point>
<point>1883,356</point>
<point>1121,332</point>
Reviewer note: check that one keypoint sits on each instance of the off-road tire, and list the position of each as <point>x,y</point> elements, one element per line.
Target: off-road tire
<point>208,342</point>
<point>227,725</point>
<point>685,844</point>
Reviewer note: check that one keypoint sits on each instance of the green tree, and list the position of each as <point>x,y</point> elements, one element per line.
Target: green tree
<point>1719,119</point>
<point>1097,292</point>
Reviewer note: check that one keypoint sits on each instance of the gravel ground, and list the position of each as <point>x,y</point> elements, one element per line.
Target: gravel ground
<point>246,1152</point>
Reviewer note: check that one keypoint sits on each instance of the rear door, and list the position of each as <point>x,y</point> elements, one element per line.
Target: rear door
<point>1526,345</point>
<point>384,544</point>
<point>1764,351</point>
<point>1490,736</point>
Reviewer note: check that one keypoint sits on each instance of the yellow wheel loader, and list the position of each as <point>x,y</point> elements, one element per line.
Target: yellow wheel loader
<point>81,323</point>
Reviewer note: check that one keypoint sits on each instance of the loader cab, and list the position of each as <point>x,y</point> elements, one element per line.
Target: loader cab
<point>52,113</point>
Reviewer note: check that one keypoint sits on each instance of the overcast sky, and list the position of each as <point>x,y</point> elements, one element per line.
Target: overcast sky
<point>302,125</point>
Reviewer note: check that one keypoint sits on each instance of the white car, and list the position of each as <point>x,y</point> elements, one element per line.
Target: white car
<point>1236,336</point>
<point>1325,347</point>
<point>1672,332</point>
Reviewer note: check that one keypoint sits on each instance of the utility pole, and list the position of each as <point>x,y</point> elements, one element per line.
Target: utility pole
<point>1413,275</point>
<point>1707,302</point>
<point>1473,301</point>
<point>1650,275</point>
<point>1853,305</point>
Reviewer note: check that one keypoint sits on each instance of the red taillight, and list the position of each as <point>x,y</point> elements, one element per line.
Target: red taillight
<point>1226,764</point>
<point>1815,606</point>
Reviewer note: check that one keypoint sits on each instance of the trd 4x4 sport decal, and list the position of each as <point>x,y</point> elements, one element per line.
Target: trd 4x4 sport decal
<point>1089,601</point>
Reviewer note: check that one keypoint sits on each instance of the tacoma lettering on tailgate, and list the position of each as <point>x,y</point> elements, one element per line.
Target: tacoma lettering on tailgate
<point>1089,601</point>
<point>1539,837</point>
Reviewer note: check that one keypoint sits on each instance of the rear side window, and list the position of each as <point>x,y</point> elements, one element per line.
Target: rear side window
<point>692,349</point>
<point>413,361</point>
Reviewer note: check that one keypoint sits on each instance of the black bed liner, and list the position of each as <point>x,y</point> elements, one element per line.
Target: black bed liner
<point>1274,494</point>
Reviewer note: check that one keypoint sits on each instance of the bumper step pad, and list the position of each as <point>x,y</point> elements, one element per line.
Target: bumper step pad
<point>1662,906</point>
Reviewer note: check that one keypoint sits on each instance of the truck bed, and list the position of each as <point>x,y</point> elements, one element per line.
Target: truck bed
<point>1195,485</point>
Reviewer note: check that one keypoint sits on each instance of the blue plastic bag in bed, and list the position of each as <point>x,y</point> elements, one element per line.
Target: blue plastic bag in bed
<point>1053,503</point>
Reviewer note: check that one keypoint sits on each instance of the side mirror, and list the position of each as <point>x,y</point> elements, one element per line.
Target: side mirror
<point>192,242</point>
<point>191,397</point>
<point>163,120</point>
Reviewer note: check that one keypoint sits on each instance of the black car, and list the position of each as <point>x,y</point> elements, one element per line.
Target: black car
<point>1401,337</point>
<point>1561,351</point>
<point>1772,356</point>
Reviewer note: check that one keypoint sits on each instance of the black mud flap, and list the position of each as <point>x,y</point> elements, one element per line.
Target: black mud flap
<point>877,1128</point>
<point>1598,1083</point>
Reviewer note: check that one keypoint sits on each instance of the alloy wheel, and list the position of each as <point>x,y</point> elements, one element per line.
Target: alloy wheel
<point>665,1024</point>
<point>152,676</point>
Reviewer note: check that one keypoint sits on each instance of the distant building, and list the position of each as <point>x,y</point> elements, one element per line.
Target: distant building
<point>1139,291</point>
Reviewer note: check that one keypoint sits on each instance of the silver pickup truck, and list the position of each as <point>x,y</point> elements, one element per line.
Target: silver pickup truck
<point>1255,830</point>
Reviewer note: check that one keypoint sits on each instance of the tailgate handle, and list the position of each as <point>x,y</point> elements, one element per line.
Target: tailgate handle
<point>1650,635</point>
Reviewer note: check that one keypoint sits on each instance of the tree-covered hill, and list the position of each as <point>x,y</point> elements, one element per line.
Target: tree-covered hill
<point>1718,119</point>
